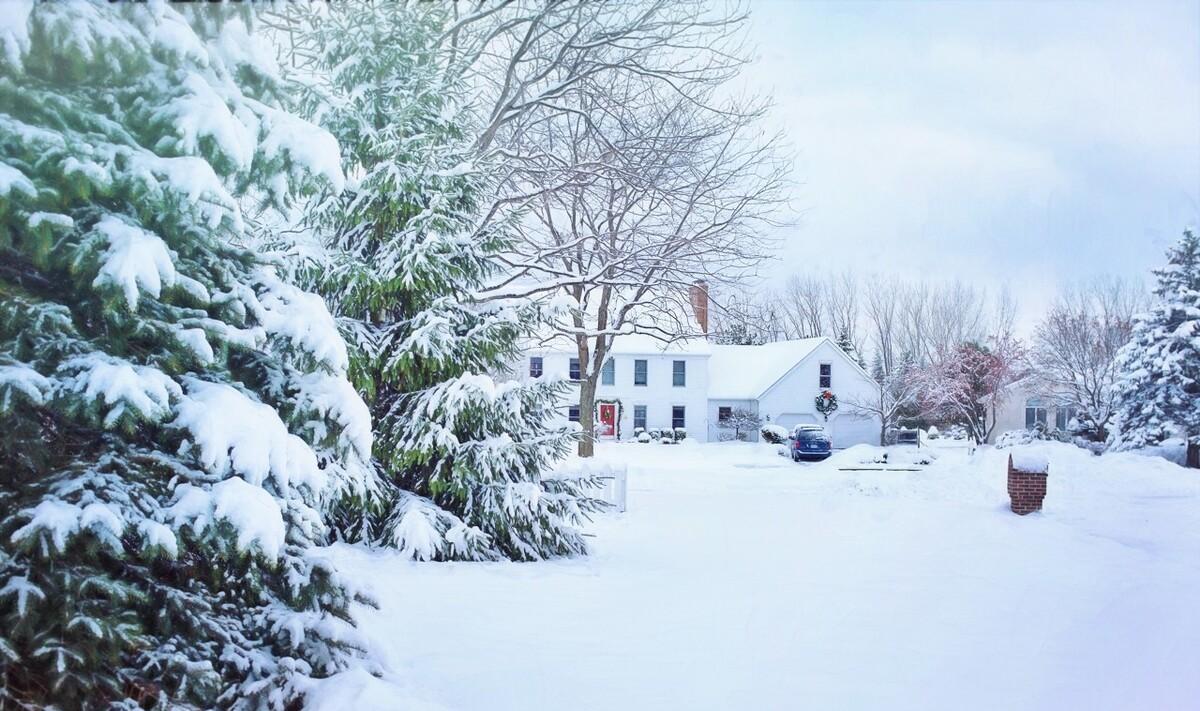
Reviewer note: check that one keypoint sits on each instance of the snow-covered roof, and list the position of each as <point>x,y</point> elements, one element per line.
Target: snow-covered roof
<point>746,372</point>
<point>635,344</point>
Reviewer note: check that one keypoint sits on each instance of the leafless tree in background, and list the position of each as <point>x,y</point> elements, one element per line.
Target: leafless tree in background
<point>631,176</point>
<point>1075,346</point>
<point>804,306</point>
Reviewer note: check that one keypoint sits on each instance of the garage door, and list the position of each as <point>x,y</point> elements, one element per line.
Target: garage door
<point>847,430</point>
<point>791,419</point>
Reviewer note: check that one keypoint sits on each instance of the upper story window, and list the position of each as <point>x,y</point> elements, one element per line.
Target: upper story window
<point>826,379</point>
<point>573,369</point>
<point>608,374</point>
<point>679,373</point>
<point>1035,412</point>
<point>535,367</point>
<point>639,372</point>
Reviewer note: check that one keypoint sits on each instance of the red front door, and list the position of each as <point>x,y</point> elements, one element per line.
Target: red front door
<point>608,420</point>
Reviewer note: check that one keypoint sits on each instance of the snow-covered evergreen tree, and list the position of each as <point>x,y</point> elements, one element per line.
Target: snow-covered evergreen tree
<point>1158,393</point>
<point>461,453</point>
<point>174,413</point>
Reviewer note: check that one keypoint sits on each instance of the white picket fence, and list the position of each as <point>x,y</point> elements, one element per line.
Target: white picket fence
<point>614,478</point>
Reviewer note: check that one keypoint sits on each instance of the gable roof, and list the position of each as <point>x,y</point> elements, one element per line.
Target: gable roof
<point>747,372</point>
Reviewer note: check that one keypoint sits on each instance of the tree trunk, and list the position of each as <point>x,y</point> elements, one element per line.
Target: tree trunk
<point>1193,454</point>
<point>587,411</point>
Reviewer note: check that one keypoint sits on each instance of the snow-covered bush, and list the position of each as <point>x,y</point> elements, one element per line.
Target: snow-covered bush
<point>174,414</point>
<point>680,434</point>
<point>462,453</point>
<point>1037,433</point>
<point>773,434</point>
<point>643,437</point>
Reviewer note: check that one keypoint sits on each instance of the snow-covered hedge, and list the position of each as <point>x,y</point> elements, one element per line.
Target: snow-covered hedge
<point>774,434</point>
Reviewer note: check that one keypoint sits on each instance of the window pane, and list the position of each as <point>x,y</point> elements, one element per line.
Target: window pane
<point>724,413</point>
<point>679,373</point>
<point>1060,418</point>
<point>1041,415</point>
<point>826,368</point>
<point>535,367</point>
<point>608,374</point>
<point>574,369</point>
<point>639,416</point>
<point>826,379</point>
<point>573,413</point>
<point>639,372</point>
<point>677,416</point>
<point>1030,417</point>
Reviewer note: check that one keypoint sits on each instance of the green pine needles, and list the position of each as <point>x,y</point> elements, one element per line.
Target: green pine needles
<point>405,248</point>
<point>175,415</point>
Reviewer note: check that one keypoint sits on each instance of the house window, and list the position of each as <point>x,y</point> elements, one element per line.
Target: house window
<point>1035,412</point>
<point>573,413</point>
<point>679,373</point>
<point>639,416</point>
<point>574,369</point>
<point>639,372</point>
<point>608,374</point>
<point>677,418</point>
<point>1063,417</point>
<point>724,413</point>
<point>826,380</point>
<point>535,367</point>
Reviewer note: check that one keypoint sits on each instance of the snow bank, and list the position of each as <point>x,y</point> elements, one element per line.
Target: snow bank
<point>872,455</point>
<point>612,475</point>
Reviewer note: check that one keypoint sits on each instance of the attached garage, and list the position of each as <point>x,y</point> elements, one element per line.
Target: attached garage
<point>791,419</point>
<point>848,429</point>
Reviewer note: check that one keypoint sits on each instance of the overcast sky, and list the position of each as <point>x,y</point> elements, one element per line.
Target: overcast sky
<point>1032,142</point>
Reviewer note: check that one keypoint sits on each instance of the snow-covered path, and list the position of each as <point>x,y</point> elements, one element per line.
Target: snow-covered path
<point>738,579</point>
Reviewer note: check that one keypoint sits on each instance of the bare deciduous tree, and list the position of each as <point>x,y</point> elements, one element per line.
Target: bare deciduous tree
<point>1075,348</point>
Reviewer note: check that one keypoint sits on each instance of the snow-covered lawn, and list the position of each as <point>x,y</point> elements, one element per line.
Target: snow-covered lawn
<point>738,579</point>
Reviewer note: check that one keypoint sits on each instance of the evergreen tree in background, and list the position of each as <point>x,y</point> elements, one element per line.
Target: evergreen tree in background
<point>461,453</point>
<point>1158,393</point>
<point>174,414</point>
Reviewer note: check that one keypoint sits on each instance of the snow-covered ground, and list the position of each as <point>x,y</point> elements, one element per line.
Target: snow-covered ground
<point>738,579</point>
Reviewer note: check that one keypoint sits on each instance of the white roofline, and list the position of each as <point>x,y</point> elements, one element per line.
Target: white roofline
<point>797,364</point>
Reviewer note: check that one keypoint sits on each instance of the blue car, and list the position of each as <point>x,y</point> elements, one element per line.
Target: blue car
<point>810,442</point>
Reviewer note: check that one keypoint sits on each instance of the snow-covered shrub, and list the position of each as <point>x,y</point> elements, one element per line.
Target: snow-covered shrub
<point>666,438</point>
<point>1037,433</point>
<point>680,434</point>
<point>643,437</point>
<point>773,434</point>
<point>638,431</point>
<point>402,252</point>
<point>174,414</point>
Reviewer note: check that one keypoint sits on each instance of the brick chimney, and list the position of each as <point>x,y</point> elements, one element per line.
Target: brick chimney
<point>698,295</point>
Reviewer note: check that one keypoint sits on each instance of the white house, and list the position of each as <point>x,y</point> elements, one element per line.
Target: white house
<point>780,382</point>
<point>1026,406</point>
<point>694,384</point>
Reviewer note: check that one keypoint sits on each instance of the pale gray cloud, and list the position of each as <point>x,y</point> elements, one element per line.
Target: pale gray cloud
<point>1006,141</point>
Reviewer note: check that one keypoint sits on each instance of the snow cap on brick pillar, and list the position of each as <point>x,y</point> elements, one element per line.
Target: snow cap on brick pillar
<point>698,295</point>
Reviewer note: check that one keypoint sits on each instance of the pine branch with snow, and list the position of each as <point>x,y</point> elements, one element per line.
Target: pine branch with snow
<point>176,415</point>
<point>401,253</point>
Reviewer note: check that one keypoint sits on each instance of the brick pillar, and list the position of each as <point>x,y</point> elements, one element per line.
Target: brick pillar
<point>1027,490</point>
